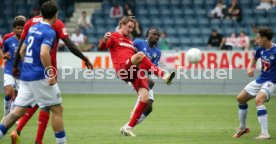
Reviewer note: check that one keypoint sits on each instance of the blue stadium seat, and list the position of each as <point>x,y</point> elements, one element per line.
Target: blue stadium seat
<point>245,2</point>
<point>164,2</point>
<point>179,22</point>
<point>227,22</point>
<point>157,22</point>
<point>187,3</point>
<point>194,31</point>
<point>93,40</point>
<point>171,32</point>
<point>206,31</point>
<point>215,22</point>
<point>176,2</point>
<point>228,31</point>
<point>198,4</point>
<point>165,12</point>
<point>263,21</point>
<point>99,22</point>
<point>192,22</point>
<point>168,22</point>
<point>200,12</point>
<point>140,1</point>
<point>260,13</point>
<point>154,12</point>
<point>174,41</point>
<point>198,42</point>
<point>203,22</point>
<point>185,42</point>
<point>177,12</point>
<point>182,31</point>
<point>189,12</point>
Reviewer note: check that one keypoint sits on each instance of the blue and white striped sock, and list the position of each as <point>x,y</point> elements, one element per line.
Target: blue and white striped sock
<point>60,137</point>
<point>262,117</point>
<point>3,131</point>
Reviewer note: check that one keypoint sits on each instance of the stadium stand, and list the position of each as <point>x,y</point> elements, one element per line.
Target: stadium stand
<point>180,19</point>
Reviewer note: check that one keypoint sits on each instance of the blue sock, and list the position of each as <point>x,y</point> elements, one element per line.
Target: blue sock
<point>7,98</point>
<point>60,137</point>
<point>3,130</point>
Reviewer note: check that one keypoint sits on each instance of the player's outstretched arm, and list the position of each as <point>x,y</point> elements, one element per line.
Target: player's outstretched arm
<point>250,68</point>
<point>106,42</point>
<point>74,49</point>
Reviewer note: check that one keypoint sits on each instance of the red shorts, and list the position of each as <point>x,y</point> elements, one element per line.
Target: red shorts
<point>128,72</point>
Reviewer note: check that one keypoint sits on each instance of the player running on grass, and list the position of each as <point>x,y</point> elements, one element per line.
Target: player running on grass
<point>128,65</point>
<point>59,28</point>
<point>263,87</point>
<point>150,49</point>
<point>35,86</point>
<point>10,45</point>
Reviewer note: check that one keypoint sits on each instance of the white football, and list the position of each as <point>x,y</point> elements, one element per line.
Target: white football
<point>194,55</point>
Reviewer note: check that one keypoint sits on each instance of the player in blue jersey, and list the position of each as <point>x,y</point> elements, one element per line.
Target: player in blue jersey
<point>263,87</point>
<point>38,84</point>
<point>150,49</point>
<point>9,47</point>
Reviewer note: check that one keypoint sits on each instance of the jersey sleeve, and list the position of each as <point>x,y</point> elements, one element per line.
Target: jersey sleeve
<point>49,38</point>
<point>26,28</point>
<point>61,30</point>
<point>5,47</point>
<point>107,44</point>
<point>257,53</point>
<point>137,45</point>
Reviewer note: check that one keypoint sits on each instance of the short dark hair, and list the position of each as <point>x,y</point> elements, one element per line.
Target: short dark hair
<point>266,32</point>
<point>49,9</point>
<point>151,28</point>
<point>18,22</point>
<point>41,2</point>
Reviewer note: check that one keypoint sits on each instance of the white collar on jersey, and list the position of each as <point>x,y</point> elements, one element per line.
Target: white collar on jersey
<point>45,23</point>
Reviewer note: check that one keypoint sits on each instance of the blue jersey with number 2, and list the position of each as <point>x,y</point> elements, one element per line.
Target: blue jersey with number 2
<point>39,34</point>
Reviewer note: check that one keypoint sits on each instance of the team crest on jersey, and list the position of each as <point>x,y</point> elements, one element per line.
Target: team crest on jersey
<point>145,49</point>
<point>13,44</point>
<point>154,55</point>
<point>262,52</point>
<point>271,57</point>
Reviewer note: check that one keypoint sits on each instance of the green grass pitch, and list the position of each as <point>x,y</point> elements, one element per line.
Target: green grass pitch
<point>176,119</point>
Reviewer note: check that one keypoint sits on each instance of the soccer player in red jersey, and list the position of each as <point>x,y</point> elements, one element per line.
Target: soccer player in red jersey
<point>60,30</point>
<point>128,64</point>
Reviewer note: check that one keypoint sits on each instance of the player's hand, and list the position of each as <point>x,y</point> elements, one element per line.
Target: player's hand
<point>88,64</point>
<point>52,81</point>
<point>250,72</point>
<point>15,72</point>
<point>107,36</point>
<point>7,55</point>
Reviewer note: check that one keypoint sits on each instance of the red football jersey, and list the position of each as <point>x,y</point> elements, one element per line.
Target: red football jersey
<point>59,28</point>
<point>6,36</point>
<point>121,49</point>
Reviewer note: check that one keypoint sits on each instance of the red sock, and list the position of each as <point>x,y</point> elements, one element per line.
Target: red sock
<point>25,118</point>
<point>148,65</point>
<point>42,125</point>
<point>137,113</point>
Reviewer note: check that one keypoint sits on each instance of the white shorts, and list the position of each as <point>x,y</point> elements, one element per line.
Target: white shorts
<point>37,92</point>
<point>254,88</point>
<point>9,80</point>
<point>17,82</point>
